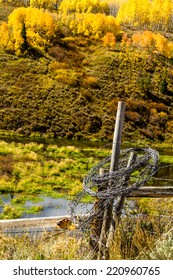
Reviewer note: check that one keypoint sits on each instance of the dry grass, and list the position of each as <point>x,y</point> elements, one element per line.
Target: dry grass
<point>139,237</point>
<point>136,238</point>
<point>47,246</point>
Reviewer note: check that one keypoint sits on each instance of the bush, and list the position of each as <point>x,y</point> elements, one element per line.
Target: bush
<point>109,40</point>
<point>10,212</point>
<point>162,250</point>
<point>69,77</point>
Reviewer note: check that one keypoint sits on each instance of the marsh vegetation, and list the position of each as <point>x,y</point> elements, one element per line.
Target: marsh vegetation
<point>29,171</point>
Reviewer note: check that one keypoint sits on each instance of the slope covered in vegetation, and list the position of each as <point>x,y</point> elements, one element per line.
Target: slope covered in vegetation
<point>62,76</point>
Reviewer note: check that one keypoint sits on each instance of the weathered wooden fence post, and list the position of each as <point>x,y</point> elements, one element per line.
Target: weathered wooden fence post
<point>121,198</point>
<point>119,204</point>
<point>116,147</point>
<point>96,225</point>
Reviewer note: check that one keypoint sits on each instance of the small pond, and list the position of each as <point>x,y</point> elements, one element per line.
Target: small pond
<point>51,206</point>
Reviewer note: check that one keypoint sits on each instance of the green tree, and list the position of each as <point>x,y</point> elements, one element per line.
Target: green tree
<point>24,46</point>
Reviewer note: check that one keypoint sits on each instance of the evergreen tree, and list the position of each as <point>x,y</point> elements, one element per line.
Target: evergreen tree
<point>24,46</point>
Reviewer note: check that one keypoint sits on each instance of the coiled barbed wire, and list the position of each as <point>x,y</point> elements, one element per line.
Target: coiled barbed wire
<point>110,185</point>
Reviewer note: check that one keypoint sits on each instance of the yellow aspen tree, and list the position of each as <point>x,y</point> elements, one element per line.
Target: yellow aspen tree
<point>84,6</point>
<point>147,39</point>
<point>29,28</point>
<point>112,24</point>
<point>144,39</point>
<point>4,35</point>
<point>45,4</point>
<point>154,14</point>
<point>143,10</point>
<point>136,39</point>
<point>134,12</point>
<point>126,12</point>
<point>73,26</point>
<point>16,21</point>
<point>167,13</point>
<point>126,41</point>
<point>67,6</point>
<point>153,42</point>
<point>40,28</point>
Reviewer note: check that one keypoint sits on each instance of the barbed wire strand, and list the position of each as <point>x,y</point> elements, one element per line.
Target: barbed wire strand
<point>99,187</point>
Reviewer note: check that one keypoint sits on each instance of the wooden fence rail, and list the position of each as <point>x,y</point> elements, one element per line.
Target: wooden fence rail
<point>49,223</point>
<point>150,191</point>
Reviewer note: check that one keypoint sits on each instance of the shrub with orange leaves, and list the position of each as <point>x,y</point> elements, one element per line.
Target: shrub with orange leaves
<point>109,40</point>
<point>126,41</point>
<point>154,42</point>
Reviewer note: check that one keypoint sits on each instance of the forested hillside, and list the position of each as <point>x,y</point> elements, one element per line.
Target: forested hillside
<point>64,65</point>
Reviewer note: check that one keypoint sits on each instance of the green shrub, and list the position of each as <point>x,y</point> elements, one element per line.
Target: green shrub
<point>69,77</point>
<point>162,249</point>
<point>10,212</point>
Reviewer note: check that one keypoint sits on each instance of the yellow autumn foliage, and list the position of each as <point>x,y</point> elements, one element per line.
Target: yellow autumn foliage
<point>153,42</point>
<point>156,14</point>
<point>46,4</point>
<point>93,25</point>
<point>30,26</point>
<point>109,40</point>
<point>84,6</point>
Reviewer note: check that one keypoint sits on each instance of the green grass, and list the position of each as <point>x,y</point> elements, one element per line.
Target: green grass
<point>166,159</point>
<point>30,169</point>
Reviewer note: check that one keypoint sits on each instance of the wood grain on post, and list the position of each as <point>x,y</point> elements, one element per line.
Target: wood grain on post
<point>97,221</point>
<point>116,148</point>
<point>119,204</point>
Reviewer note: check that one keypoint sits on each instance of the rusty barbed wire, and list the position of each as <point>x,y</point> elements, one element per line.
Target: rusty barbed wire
<point>110,185</point>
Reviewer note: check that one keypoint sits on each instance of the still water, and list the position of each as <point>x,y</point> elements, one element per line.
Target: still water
<point>164,176</point>
<point>51,206</point>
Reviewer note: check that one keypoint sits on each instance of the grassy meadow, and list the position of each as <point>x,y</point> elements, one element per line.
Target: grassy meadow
<point>30,169</point>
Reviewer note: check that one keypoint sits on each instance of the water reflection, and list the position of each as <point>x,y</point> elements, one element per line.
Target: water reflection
<point>164,176</point>
<point>51,206</point>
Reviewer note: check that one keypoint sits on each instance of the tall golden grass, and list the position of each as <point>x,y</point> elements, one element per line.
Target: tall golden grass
<point>136,238</point>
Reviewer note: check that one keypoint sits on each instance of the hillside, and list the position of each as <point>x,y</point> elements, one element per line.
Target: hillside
<point>72,90</point>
